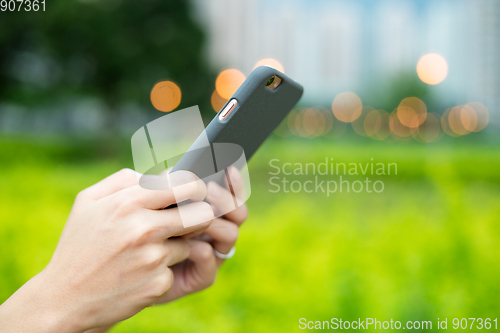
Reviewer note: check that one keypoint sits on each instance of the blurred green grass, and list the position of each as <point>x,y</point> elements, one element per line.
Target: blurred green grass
<point>426,247</point>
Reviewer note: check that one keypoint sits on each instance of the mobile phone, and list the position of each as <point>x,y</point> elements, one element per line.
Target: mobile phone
<point>246,120</point>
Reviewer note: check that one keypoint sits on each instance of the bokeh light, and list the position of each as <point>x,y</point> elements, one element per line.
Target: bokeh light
<point>411,112</point>
<point>228,82</point>
<point>271,63</point>
<point>430,130</point>
<point>290,120</point>
<point>358,124</point>
<point>165,96</point>
<point>482,115</point>
<point>347,107</point>
<point>398,130</point>
<point>307,123</point>
<point>376,125</point>
<point>468,117</point>
<point>217,101</point>
<point>372,123</point>
<point>445,125</point>
<point>455,121</point>
<point>326,120</point>
<point>432,68</point>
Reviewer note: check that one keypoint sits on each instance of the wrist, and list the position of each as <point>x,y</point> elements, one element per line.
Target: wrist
<point>37,307</point>
<point>60,311</point>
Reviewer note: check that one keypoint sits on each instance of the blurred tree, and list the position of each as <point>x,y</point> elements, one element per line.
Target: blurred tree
<point>405,84</point>
<point>115,50</point>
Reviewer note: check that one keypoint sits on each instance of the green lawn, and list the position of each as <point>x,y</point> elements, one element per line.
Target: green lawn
<point>428,246</point>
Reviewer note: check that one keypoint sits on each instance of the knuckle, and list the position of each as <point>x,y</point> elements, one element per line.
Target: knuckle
<point>153,256</point>
<point>127,174</point>
<point>243,214</point>
<point>232,234</point>
<point>207,210</point>
<point>82,195</point>
<point>143,235</point>
<point>206,251</point>
<point>163,283</point>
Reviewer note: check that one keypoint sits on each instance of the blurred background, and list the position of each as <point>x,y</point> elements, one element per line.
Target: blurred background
<point>412,82</point>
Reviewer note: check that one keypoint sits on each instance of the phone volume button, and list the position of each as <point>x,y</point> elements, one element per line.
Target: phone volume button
<point>228,109</point>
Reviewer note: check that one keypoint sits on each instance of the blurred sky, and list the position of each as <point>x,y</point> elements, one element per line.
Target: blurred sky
<point>357,45</point>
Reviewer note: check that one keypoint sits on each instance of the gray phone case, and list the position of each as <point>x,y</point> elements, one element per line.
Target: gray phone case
<point>259,111</point>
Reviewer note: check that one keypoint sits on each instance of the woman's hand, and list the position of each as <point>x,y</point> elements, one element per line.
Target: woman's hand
<point>113,257</point>
<point>200,270</point>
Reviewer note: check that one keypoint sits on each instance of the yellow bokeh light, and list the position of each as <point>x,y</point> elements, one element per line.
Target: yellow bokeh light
<point>271,63</point>
<point>165,96</point>
<point>432,68</point>
<point>347,107</point>
<point>228,82</point>
<point>411,112</point>
<point>217,101</point>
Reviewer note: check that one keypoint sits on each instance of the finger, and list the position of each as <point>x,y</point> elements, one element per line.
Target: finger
<point>240,214</point>
<point>177,250</point>
<point>202,255</point>
<point>195,274</point>
<point>188,218</point>
<point>220,198</point>
<point>236,183</point>
<point>224,204</point>
<point>224,235</point>
<point>184,186</point>
<point>112,184</point>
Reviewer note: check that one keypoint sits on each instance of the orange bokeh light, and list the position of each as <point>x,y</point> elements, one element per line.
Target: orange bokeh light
<point>468,117</point>
<point>482,115</point>
<point>358,124</point>
<point>412,112</point>
<point>290,119</point>
<point>430,130</point>
<point>217,101</point>
<point>398,130</point>
<point>445,125</point>
<point>271,63</point>
<point>228,82</point>
<point>455,120</point>
<point>432,68</point>
<point>347,107</point>
<point>165,96</point>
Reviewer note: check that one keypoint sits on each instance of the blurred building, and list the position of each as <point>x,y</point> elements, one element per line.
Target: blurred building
<point>355,45</point>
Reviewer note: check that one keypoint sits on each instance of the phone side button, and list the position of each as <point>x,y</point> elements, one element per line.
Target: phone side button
<point>228,109</point>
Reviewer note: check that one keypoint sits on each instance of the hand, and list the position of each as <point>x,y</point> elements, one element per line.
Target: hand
<point>112,259</point>
<point>200,270</point>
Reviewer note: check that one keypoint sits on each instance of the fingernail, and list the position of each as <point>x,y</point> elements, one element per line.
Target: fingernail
<point>214,190</point>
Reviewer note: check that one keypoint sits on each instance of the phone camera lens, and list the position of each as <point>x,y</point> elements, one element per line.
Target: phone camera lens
<point>271,80</point>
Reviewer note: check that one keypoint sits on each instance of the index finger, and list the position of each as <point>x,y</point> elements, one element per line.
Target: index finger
<point>184,186</point>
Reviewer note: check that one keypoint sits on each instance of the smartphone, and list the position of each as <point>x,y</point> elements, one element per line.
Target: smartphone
<point>258,106</point>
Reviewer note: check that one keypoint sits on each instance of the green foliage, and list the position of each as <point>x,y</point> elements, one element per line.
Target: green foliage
<point>426,247</point>
<point>114,50</point>
<point>388,95</point>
